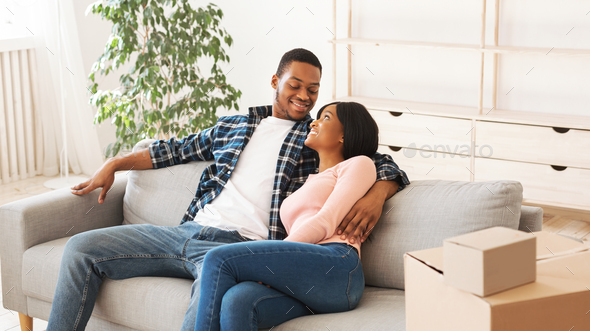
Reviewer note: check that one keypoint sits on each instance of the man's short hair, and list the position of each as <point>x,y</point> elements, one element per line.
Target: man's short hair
<point>299,55</point>
<point>360,131</point>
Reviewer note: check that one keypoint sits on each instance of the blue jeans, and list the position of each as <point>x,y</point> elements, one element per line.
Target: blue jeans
<point>325,278</point>
<point>129,251</point>
<point>250,305</point>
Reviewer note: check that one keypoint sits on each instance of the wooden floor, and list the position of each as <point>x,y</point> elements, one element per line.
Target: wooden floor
<point>568,226</point>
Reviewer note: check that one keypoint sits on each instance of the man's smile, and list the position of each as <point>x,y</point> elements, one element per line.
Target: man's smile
<point>300,106</point>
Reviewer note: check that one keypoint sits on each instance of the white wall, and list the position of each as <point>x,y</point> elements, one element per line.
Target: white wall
<point>264,30</point>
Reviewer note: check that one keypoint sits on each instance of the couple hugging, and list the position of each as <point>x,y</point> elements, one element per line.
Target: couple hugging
<point>274,231</point>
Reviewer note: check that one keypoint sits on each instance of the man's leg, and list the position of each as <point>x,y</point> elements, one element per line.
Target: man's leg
<point>190,317</point>
<point>118,253</point>
<point>248,306</point>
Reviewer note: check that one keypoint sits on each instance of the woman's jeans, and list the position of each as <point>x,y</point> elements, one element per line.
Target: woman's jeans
<point>129,251</point>
<point>325,278</point>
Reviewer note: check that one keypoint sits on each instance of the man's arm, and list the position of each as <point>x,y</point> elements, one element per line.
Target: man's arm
<point>161,153</point>
<point>363,216</point>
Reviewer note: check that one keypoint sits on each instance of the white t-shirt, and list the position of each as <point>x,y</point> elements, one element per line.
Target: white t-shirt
<point>244,203</point>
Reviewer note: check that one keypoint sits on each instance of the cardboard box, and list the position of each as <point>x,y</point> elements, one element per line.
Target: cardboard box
<point>490,261</point>
<point>559,299</point>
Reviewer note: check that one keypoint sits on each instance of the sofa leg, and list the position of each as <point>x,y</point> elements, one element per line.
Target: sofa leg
<point>26,322</point>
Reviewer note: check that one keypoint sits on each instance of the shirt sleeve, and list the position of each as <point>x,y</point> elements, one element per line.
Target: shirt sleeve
<point>353,182</point>
<point>388,170</point>
<point>195,147</point>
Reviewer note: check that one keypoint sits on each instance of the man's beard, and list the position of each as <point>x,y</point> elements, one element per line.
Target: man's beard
<point>283,110</point>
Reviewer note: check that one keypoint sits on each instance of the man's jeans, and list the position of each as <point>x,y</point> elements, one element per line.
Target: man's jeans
<point>130,251</point>
<point>325,278</point>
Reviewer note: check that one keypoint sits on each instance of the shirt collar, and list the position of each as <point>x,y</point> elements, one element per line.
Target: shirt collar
<point>266,111</point>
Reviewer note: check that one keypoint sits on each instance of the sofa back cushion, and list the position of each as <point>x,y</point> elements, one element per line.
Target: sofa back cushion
<point>428,211</point>
<point>160,196</point>
<point>419,217</point>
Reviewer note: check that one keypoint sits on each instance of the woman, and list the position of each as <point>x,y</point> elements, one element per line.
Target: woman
<point>312,265</point>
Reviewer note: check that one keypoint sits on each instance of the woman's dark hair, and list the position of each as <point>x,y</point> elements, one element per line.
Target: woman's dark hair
<point>361,134</point>
<point>299,55</point>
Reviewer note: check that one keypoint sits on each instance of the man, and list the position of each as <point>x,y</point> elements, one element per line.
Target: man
<point>242,190</point>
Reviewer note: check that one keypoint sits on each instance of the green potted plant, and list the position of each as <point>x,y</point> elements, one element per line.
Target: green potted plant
<point>167,91</point>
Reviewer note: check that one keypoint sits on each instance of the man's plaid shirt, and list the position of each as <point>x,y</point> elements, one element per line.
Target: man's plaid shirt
<point>225,141</point>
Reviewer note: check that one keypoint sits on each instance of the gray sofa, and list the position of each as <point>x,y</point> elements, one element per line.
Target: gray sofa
<point>33,233</point>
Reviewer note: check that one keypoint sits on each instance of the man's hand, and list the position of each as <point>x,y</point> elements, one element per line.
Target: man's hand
<point>103,177</point>
<point>365,213</point>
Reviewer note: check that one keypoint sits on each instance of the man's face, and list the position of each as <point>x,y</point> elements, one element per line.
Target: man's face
<point>296,91</point>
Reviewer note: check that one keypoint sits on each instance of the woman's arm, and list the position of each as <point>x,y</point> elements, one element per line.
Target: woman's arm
<point>354,180</point>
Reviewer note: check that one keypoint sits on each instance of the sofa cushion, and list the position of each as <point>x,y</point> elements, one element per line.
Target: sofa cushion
<point>426,212</point>
<point>159,303</point>
<point>143,303</point>
<point>379,309</point>
<point>41,267</point>
<point>160,196</point>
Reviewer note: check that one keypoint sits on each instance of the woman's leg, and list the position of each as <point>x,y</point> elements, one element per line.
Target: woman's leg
<point>249,306</point>
<point>326,278</point>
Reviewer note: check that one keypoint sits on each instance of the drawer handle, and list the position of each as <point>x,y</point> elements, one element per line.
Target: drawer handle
<point>395,113</point>
<point>394,148</point>
<point>560,130</point>
<point>558,168</point>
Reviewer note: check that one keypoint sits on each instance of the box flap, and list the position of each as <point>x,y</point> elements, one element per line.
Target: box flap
<point>551,245</point>
<point>555,276</point>
<point>432,257</point>
<point>490,238</point>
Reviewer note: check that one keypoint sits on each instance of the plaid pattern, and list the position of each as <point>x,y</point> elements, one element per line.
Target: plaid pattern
<point>225,141</point>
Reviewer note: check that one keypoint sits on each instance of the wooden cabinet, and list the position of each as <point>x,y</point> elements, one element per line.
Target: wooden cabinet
<point>538,144</point>
<point>548,153</point>
<point>555,185</point>
<point>430,133</point>
<point>424,164</point>
<point>552,163</point>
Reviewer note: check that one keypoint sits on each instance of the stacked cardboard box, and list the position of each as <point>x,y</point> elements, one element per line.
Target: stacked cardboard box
<point>558,299</point>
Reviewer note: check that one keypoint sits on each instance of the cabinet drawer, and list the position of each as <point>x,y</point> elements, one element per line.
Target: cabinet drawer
<point>420,165</point>
<point>540,182</point>
<point>431,133</point>
<point>538,144</point>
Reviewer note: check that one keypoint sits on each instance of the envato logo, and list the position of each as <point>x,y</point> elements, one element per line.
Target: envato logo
<point>427,151</point>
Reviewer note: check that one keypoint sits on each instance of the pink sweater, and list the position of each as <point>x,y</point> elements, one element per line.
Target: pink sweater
<point>312,213</point>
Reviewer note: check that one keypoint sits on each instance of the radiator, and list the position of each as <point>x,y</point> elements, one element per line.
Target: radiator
<point>21,152</point>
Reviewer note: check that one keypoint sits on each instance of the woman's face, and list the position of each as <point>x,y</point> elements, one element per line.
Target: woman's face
<point>326,132</point>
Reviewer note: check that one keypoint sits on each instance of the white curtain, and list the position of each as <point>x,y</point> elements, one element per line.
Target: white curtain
<point>84,153</point>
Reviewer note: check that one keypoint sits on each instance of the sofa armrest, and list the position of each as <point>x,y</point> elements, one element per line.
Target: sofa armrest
<point>531,219</point>
<point>49,216</point>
